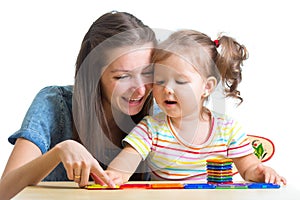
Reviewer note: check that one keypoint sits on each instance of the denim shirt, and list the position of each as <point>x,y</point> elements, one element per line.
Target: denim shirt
<point>48,122</point>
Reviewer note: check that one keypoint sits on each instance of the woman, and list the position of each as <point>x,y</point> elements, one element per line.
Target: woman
<point>71,133</point>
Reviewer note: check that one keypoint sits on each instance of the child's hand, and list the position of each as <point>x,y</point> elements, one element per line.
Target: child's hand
<point>100,181</point>
<point>115,176</point>
<point>268,175</point>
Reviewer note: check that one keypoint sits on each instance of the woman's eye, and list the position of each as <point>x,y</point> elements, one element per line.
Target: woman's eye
<point>148,74</point>
<point>159,82</point>
<point>121,77</point>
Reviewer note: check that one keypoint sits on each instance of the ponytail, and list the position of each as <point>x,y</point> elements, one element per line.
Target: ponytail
<point>229,62</point>
<point>202,52</point>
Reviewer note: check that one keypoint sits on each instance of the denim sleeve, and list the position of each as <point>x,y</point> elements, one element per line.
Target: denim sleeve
<point>48,120</point>
<point>156,108</point>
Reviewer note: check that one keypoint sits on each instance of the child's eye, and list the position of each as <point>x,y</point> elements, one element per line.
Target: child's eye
<point>181,82</point>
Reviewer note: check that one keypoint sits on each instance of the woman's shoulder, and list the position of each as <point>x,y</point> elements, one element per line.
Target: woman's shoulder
<point>51,99</point>
<point>57,90</point>
<point>55,94</point>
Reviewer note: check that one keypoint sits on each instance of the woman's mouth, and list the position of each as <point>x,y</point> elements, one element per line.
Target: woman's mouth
<point>134,101</point>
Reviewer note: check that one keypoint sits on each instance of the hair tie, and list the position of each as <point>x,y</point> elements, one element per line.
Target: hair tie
<point>217,44</point>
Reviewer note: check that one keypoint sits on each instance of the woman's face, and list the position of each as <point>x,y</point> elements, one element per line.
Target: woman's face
<point>127,80</point>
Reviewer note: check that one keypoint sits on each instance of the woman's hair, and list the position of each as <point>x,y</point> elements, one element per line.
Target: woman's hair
<point>112,30</point>
<point>199,50</point>
<point>111,24</point>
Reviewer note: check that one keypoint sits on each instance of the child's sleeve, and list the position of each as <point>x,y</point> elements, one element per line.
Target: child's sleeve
<point>238,144</point>
<point>140,138</point>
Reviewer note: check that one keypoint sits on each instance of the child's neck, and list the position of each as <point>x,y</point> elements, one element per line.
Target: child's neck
<point>195,129</point>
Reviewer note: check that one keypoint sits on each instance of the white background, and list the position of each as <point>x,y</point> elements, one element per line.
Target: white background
<point>39,42</point>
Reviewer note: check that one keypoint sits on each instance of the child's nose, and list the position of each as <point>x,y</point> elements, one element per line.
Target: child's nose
<point>168,89</point>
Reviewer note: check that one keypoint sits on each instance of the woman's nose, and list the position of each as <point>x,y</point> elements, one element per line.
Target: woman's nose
<point>141,90</point>
<point>139,86</point>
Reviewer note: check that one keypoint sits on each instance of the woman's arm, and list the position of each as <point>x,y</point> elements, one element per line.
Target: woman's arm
<point>124,165</point>
<point>21,172</point>
<point>251,169</point>
<point>23,152</point>
<point>25,167</point>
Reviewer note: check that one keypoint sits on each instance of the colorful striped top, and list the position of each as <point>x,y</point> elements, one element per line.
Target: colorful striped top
<point>170,157</point>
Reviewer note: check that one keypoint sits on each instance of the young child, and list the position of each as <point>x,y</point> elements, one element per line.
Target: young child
<point>178,141</point>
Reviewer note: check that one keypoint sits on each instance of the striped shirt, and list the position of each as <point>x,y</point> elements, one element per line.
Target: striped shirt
<point>170,157</point>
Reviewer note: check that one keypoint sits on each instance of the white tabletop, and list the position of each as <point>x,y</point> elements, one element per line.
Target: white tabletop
<point>70,190</point>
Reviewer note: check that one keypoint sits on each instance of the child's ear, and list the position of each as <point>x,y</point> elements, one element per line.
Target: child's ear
<point>211,83</point>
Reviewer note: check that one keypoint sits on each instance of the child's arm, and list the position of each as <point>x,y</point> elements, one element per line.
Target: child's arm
<point>124,165</point>
<point>251,169</point>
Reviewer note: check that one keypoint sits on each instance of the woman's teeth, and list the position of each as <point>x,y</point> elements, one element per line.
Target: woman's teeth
<point>135,99</point>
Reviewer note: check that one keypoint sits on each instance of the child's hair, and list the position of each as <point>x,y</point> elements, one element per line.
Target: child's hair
<point>199,50</point>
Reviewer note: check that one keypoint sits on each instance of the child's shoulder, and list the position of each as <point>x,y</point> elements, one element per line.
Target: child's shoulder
<point>223,118</point>
<point>157,118</point>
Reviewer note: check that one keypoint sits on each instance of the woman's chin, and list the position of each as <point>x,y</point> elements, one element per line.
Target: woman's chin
<point>134,111</point>
<point>132,107</point>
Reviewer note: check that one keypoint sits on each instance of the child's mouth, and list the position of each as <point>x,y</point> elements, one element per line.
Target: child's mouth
<point>170,102</point>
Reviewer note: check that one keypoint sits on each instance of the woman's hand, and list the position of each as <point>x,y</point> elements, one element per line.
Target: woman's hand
<point>79,163</point>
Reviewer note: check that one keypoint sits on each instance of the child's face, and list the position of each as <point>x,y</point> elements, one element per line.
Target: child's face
<point>178,87</point>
